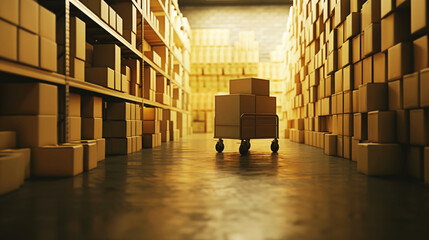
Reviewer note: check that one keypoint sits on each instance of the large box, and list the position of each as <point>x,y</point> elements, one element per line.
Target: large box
<point>28,47</point>
<point>92,128</point>
<point>380,67</point>
<point>48,54</point>
<point>419,16</point>
<point>371,39</point>
<point>117,129</point>
<point>47,24</point>
<point>75,127</point>
<point>118,111</point>
<point>77,69</point>
<point>57,161</point>
<point>31,131</point>
<point>381,127</point>
<point>371,11</point>
<point>394,90</point>
<point>101,149</point>
<point>330,144</point>
<point>92,107</point>
<point>395,28</point>
<point>78,38</point>
<point>9,11</point>
<point>29,15</point>
<point>377,159</point>
<point>28,99</point>
<point>9,39</point>
<point>250,86</point>
<point>373,96</point>
<point>399,61</point>
<point>229,108</point>
<point>74,105</point>
<point>12,171</point>
<point>424,88</point>
<point>421,54</point>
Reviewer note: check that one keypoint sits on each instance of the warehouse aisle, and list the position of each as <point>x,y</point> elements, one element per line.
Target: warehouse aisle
<point>185,190</point>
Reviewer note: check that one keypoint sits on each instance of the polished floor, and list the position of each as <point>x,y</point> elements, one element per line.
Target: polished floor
<point>185,190</point>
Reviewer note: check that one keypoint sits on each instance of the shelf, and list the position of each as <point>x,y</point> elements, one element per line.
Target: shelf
<point>87,86</point>
<point>157,104</point>
<point>25,71</point>
<point>151,35</point>
<point>101,30</point>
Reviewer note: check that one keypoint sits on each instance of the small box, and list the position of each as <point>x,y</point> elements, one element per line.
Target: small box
<point>9,39</point>
<point>112,18</point>
<point>117,129</point>
<point>372,96</point>
<point>356,48</point>
<point>151,127</point>
<point>74,105</point>
<point>352,25</point>
<point>370,12</point>
<point>29,16</point>
<point>399,61</point>
<point>89,153</point>
<point>57,161</point>
<point>150,113</point>
<point>360,126</point>
<point>149,140</point>
<point>119,24</point>
<point>119,146</point>
<point>376,159</point>
<point>330,144</point>
<point>367,70</point>
<point>107,55</point>
<point>229,108</point>
<point>28,47</point>
<point>250,86</point>
<point>100,8</point>
<point>357,75</point>
<point>348,125</point>
<point>381,127</point>
<point>355,101</point>
<point>102,76</point>
<point>77,69</point>
<point>411,91</point>
<point>387,6</point>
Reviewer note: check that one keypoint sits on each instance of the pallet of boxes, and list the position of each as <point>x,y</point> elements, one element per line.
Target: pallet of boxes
<point>248,112</point>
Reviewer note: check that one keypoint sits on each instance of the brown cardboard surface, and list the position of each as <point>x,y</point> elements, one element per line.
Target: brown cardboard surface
<point>112,18</point>
<point>356,49</point>
<point>387,6</point>
<point>372,39</point>
<point>128,12</point>
<point>28,99</point>
<point>149,140</point>
<point>118,146</point>
<point>352,25</point>
<point>151,127</point>
<point>348,125</point>
<point>103,76</point>
<point>229,108</point>
<point>424,88</point>
<point>355,149</point>
<point>415,161</point>
<point>9,39</point>
<point>107,55</point>
<point>330,144</point>
<point>92,128</point>
<point>265,104</point>
<point>367,70</point>
<point>150,113</point>
<point>48,54</point>
<point>348,102</point>
<point>347,147</point>
<point>47,24</point>
<point>78,38</point>
<point>119,24</point>
<point>419,129</point>
<point>419,16</point>
<point>411,91</point>
<point>118,111</point>
<point>399,61</point>
<point>402,126</point>
<point>75,128</point>
<point>26,155</point>
<point>372,96</point>
<point>7,139</point>
<point>394,90</point>
<point>29,15</point>
<point>420,53</point>
<point>28,47</point>
<point>339,81</point>
<point>101,149</point>
<point>11,171</point>
<point>117,129</point>
<point>31,131</point>
<point>74,105</point>
<point>360,127</point>
<point>91,106</point>
<point>77,69</point>
<point>377,159</point>
<point>356,101</point>
<point>100,8</point>
<point>370,12</point>
<point>382,126</point>
<point>9,11</point>
<point>250,86</point>
<point>395,28</point>
<point>57,161</point>
<point>380,67</point>
<point>426,165</point>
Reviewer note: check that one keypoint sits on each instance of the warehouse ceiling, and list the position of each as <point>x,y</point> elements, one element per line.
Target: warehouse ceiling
<point>232,2</point>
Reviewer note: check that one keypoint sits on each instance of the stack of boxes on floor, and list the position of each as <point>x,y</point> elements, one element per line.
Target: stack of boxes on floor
<point>123,128</point>
<point>357,82</point>
<point>214,63</point>
<point>152,119</point>
<point>247,96</point>
<point>28,34</point>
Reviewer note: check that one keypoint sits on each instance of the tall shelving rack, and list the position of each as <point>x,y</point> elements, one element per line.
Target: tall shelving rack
<point>100,32</point>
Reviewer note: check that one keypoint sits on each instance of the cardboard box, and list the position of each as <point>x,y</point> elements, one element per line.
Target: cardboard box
<point>48,54</point>
<point>28,47</point>
<point>380,72</point>
<point>372,39</point>
<point>91,107</point>
<point>75,128</point>
<point>119,146</point>
<point>57,161</point>
<point>370,12</point>
<point>402,126</point>
<point>150,113</point>
<point>77,69</point>
<point>372,96</point>
<point>9,11</point>
<point>395,28</point>
<point>356,48</point>
<point>112,17</point>
<point>26,156</point>
<point>419,16</point>
<point>415,162</point>
<point>355,149</point>
<point>381,126</point>
<point>419,129</point>
<point>347,78</point>
<point>90,153</point>
<point>348,125</point>
<point>347,147</point>
<point>254,86</point>
<point>31,131</point>
<point>352,25</point>
<point>229,108</point>
<point>394,90</point>
<point>77,38</point>
<point>357,75</point>
<point>118,111</point>
<point>265,104</point>
<point>92,128</point>
<point>119,24</point>
<point>7,139</point>
<point>21,98</point>
<point>355,101</point>
<point>29,16</point>
<point>101,149</point>
<point>149,141</point>
<point>411,91</point>
<point>330,144</point>
<point>117,129</point>
<point>367,70</point>
<point>74,105</point>
<point>11,171</point>
<point>47,24</point>
<point>387,7</point>
<point>100,8</point>
<point>9,39</point>
<point>421,55</point>
<point>128,12</point>
<point>107,55</point>
<point>360,127</point>
<point>424,88</point>
<point>103,76</point>
<point>151,127</point>
<point>348,102</point>
<point>399,61</point>
<point>376,159</point>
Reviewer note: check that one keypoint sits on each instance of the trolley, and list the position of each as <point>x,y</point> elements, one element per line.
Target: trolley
<point>245,142</point>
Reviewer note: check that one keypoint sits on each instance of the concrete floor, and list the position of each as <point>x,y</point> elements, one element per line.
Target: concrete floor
<point>185,190</point>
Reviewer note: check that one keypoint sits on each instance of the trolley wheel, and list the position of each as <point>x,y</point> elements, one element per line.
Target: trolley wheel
<point>220,146</point>
<point>275,145</point>
<point>244,147</point>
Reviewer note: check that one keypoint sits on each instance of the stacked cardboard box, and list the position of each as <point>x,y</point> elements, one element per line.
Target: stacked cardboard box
<point>132,68</point>
<point>149,84</point>
<point>128,11</point>
<point>108,13</point>
<point>92,123</point>
<point>247,96</point>
<point>357,72</point>
<point>28,34</point>
<point>152,118</point>
<point>123,128</point>
<point>105,58</point>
